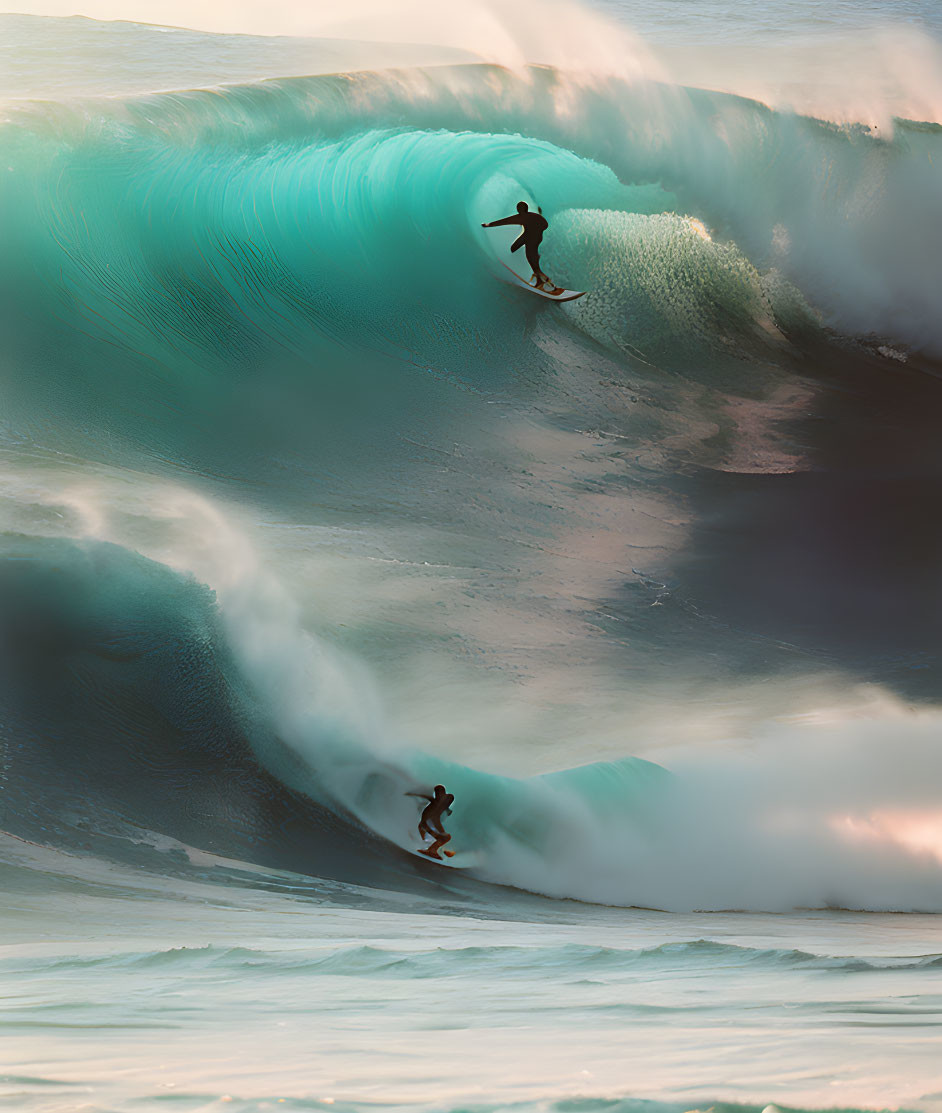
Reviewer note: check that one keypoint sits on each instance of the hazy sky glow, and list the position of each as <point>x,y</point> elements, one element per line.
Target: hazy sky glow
<point>204,15</point>
<point>434,21</point>
<point>509,32</point>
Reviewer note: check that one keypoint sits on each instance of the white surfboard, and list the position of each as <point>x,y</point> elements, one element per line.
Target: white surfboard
<point>556,294</point>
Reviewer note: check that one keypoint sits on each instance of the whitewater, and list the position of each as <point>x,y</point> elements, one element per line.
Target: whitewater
<point>304,507</point>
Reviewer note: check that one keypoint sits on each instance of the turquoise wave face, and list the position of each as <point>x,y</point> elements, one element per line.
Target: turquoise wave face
<point>372,186</point>
<point>218,257</point>
<point>236,283</point>
<point>193,272</point>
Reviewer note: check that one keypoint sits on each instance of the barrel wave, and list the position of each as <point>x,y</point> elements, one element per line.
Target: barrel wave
<point>305,507</point>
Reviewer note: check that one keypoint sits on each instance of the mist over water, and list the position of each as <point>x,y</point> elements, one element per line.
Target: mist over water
<point>304,508</point>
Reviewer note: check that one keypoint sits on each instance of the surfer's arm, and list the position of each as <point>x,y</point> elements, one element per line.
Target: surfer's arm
<point>421,795</point>
<point>503,221</point>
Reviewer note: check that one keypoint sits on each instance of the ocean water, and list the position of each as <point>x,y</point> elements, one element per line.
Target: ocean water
<point>303,507</point>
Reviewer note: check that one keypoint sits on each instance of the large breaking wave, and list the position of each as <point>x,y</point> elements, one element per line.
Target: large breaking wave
<point>280,295</point>
<point>365,189</point>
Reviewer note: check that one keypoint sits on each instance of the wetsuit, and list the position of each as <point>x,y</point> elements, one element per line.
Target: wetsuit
<point>534,225</point>
<point>430,823</point>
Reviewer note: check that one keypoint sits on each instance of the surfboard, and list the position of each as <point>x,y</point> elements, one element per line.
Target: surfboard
<point>461,862</point>
<point>556,294</point>
<point>456,859</point>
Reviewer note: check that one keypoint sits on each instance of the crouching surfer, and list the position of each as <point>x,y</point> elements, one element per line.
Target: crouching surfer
<point>430,822</point>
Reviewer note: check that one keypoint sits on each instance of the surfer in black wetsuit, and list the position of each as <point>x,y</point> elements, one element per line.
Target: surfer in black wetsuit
<point>430,822</point>
<point>534,225</point>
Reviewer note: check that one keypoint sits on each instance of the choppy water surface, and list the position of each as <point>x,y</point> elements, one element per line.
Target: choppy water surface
<point>257,990</point>
<point>302,507</point>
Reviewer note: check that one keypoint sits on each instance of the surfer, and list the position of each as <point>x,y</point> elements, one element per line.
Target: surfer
<point>534,225</point>
<point>430,823</point>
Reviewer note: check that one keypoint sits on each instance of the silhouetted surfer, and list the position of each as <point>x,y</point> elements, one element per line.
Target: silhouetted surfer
<point>430,823</point>
<point>534,225</point>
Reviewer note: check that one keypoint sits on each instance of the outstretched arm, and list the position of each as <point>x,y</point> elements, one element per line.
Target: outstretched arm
<point>505,220</point>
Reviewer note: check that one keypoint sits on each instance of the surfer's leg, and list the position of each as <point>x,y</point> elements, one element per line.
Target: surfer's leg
<point>533,258</point>
<point>440,840</point>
